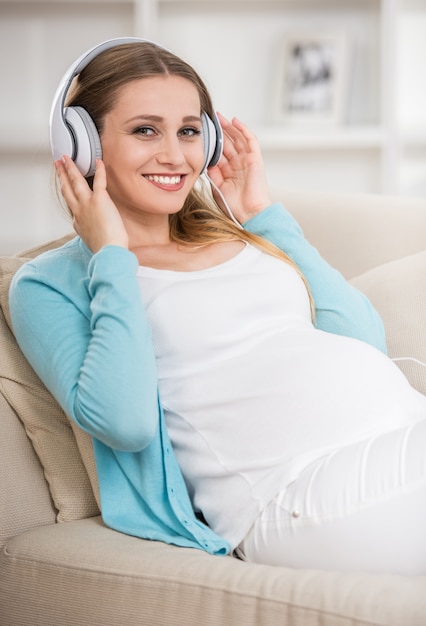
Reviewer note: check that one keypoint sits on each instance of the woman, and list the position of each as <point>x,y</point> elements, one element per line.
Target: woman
<point>226,373</point>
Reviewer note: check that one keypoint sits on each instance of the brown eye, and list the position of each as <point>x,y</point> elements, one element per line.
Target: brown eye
<point>145,131</point>
<point>189,131</point>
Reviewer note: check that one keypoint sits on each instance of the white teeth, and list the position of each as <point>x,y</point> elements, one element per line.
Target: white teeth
<point>165,180</point>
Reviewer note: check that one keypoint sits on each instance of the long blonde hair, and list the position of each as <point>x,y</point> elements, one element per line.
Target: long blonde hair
<point>200,221</point>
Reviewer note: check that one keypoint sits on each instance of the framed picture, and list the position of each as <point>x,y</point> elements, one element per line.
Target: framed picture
<point>312,78</point>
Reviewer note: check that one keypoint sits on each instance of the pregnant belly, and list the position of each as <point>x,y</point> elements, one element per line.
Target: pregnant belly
<point>296,392</point>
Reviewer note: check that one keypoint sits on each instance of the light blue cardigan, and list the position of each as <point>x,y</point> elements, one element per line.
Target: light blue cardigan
<point>80,321</point>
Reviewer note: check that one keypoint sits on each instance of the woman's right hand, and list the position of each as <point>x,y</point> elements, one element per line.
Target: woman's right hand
<point>95,216</point>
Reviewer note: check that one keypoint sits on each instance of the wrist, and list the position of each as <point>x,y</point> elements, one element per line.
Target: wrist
<point>248,213</point>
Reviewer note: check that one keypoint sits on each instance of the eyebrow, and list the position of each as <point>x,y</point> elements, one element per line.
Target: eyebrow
<point>158,118</point>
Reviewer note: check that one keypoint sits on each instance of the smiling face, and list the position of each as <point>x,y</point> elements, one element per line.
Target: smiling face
<point>152,145</point>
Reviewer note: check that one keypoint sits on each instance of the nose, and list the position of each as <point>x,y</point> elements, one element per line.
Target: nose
<point>171,150</point>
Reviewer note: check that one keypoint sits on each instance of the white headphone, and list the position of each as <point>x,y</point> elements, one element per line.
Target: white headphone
<point>73,132</point>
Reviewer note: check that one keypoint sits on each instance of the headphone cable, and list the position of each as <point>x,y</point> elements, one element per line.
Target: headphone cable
<point>227,207</point>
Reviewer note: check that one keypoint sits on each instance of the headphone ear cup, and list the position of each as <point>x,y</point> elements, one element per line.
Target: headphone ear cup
<point>87,144</point>
<point>212,134</point>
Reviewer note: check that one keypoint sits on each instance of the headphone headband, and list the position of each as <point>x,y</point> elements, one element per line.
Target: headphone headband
<point>73,132</point>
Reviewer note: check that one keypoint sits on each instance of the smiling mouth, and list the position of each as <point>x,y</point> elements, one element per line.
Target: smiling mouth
<point>165,180</point>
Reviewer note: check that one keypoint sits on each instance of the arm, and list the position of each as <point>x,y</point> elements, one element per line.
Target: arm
<point>84,331</point>
<point>340,308</point>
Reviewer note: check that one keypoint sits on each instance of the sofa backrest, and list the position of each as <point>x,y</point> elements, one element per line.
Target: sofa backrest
<point>356,232</point>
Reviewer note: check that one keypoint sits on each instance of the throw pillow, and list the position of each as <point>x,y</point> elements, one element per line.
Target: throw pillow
<point>397,291</point>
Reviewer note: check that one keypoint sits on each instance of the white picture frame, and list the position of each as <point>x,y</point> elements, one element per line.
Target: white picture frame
<point>312,80</point>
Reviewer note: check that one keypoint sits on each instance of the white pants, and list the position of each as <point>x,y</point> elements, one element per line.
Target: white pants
<point>362,508</point>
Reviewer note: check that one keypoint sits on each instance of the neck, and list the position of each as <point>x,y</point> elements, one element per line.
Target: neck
<point>151,231</point>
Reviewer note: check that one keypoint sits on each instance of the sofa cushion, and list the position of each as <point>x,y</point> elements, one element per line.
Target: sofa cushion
<point>50,431</point>
<point>398,292</point>
<point>85,573</point>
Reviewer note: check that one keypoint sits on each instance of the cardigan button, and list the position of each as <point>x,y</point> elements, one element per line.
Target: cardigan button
<point>296,513</point>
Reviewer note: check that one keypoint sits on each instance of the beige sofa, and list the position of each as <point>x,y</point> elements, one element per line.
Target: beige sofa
<point>60,566</point>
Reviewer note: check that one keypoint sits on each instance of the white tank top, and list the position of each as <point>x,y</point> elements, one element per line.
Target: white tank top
<point>251,391</point>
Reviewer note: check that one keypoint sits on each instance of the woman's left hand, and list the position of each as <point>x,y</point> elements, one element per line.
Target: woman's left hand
<point>240,173</point>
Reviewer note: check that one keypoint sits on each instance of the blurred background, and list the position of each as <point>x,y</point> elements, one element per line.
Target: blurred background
<point>334,89</point>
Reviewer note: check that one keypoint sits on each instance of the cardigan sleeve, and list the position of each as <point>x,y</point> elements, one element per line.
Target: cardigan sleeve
<point>86,336</point>
<point>339,307</point>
